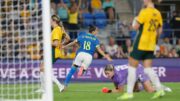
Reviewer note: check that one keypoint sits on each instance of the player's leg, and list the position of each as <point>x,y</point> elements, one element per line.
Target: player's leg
<point>42,80</point>
<point>76,64</point>
<point>134,58</point>
<point>70,74</point>
<point>151,74</point>
<point>56,81</point>
<point>81,70</point>
<point>153,77</point>
<point>166,89</point>
<point>148,86</point>
<point>133,63</point>
<point>86,61</point>
<point>131,79</point>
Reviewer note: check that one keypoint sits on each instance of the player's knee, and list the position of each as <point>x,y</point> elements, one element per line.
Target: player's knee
<point>76,66</point>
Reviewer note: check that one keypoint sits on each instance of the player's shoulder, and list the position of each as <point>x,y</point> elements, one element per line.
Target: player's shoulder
<point>143,10</point>
<point>58,28</point>
<point>157,11</point>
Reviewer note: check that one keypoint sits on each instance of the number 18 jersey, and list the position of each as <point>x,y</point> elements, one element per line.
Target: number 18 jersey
<point>88,43</point>
<point>150,20</point>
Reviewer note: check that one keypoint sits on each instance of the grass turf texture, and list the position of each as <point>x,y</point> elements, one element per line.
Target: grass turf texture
<point>92,92</point>
<point>83,92</point>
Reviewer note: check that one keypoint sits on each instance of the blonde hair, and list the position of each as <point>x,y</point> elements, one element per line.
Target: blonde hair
<point>109,67</point>
<point>56,19</point>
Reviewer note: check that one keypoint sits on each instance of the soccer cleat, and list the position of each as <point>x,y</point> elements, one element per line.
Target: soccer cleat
<point>61,88</point>
<point>167,89</point>
<point>158,94</point>
<point>125,96</point>
<point>40,90</point>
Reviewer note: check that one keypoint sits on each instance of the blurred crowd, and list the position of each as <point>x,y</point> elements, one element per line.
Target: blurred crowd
<point>77,14</point>
<point>21,28</point>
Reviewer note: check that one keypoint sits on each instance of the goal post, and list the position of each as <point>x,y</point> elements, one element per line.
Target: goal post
<point>47,49</point>
<point>25,42</point>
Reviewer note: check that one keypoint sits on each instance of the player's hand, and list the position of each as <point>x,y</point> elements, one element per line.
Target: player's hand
<point>105,90</point>
<point>63,47</point>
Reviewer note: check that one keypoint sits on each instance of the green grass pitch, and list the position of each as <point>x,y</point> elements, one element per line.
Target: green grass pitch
<point>83,92</point>
<point>92,92</point>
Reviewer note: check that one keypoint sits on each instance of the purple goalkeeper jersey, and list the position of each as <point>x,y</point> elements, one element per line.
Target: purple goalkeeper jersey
<point>121,74</point>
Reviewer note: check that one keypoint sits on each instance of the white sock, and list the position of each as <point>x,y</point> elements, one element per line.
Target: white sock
<point>42,80</point>
<point>131,79</point>
<point>54,79</point>
<point>153,77</point>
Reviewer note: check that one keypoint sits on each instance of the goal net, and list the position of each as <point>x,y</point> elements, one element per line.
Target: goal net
<point>21,49</point>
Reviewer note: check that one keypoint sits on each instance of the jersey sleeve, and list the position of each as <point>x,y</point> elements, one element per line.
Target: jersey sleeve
<point>141,17</point>
<point>97,43</point>
<point>115,84</point>
<point>56,34</point>
<point>79,38</point>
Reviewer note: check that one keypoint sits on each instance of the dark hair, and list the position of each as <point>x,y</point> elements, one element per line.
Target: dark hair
<point>156,1</point>
<point>92,28</point>
<point>109,67</point>
<point>56,19</point>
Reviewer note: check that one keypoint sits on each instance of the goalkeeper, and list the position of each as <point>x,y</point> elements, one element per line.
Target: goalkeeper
<point>118,75</point>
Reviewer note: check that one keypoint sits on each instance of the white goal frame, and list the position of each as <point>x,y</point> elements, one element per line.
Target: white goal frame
<point>48,95</point>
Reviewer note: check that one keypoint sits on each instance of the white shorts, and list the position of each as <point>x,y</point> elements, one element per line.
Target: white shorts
<point>83,59</point>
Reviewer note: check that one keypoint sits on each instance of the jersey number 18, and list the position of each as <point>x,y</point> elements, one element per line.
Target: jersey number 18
<point>87,45</point>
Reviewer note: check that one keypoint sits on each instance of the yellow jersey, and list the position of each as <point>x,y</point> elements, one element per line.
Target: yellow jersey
<point>73,18</point>
<point>57,34</point>
<point>150,20</point>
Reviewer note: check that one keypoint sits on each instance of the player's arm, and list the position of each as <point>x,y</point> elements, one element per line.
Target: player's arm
<point>117,89</point>
<point>55,43</point>
<point>79,5</point>
<point>103,54</point>
<point>64,5</point>
<point>70,44</point>
<point>160,28</point>
<point>135,24</point>
<point>159,32</point>
<point>66,37</point>
<point>140,19</point>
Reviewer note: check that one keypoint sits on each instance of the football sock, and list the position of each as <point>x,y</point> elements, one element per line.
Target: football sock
<point>68,77</point>
<point>131,79</point>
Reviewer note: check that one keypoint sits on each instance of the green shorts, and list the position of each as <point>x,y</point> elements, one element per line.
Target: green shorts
<point>142,55</point>
<point>53,56</point>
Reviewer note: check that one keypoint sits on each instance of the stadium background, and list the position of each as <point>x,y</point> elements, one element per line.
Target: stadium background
<point>113,18</point>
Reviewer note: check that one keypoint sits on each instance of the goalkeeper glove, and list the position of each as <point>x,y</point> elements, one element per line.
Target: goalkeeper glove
<point>106,90</point>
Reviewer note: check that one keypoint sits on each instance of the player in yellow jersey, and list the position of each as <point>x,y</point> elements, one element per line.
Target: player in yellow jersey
<point>149,23</point>
<point>58,37</point>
